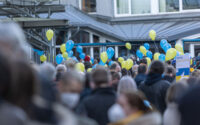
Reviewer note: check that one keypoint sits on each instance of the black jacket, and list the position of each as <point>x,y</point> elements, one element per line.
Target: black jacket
<point>140,78</point>
<point>155,90</point>
<point>97,104</point>
<point>169,78</point>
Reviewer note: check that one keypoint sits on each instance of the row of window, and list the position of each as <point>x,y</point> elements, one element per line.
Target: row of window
<point>144,6</point>
<point>124,7</point>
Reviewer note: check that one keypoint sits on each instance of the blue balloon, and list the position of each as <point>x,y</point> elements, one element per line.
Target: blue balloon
<point>70,53</point>
<point>139,54</point>
<point>59,59</point>
<point>110,52</point>
<point>110,63</point>
<point>69,45</point>
<point>79,49</point>
<point>163,43</point>
<point>101,63</point>
<point>147,46</point>
<point>92,60</point>
<point>166,47</point>
<point>162,57</point>
<point>82,55</point>
<point>149,54</point>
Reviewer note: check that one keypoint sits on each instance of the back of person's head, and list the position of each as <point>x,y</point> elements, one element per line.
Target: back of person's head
<point>115,75</point>
<point>142,69</point>
<point>113,66</point>
<point>70,64</point>
<point>124,72</point>
<point>157,67</point>
<point>136,100</point>
<point>196,73</point>
<point>175,92</point>
<point>24,85</point>
<point>61,68</point>
<point>12,41</point>
<point>170,70</point>
<point>191,81</point>
<point>143,61</point>
<point>101,76</point>
<point>48,70</point>
<point>126,84</point>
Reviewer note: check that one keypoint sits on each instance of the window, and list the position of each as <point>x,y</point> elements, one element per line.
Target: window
<point>168,5</point>
<point>140,6</point>
<point>89,5</point>
<point>191,4</point>
<point>133,6</point>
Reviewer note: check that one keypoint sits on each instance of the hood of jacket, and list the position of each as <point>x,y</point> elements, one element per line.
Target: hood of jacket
<point>153,78</point>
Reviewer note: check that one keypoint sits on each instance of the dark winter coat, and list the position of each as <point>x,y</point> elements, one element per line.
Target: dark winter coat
<point>140,78</point>
<point>155,90</point>
<point>97,104</point>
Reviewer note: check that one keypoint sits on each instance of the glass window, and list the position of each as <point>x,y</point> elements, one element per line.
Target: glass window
<point>80,37</point>
<point>122,6</point>
<point>95,39</point>
<point>140,6</point>
<point>168,5</point>
<point>96,52</point>
<point>191,4</point>
<point>89,5</point>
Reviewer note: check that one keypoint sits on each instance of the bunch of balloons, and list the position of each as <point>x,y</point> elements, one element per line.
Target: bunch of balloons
<point>79,49</point>
<point>127,64</point>
<point>165,45</point>
<point>49,34</point>
<point>144,51</point>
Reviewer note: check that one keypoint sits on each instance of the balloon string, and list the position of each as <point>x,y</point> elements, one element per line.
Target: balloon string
<point>155,46</point>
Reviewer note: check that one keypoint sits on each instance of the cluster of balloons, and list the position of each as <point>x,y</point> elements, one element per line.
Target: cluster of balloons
<point>79,49</point>
<point>125,64</point>
<point>144,51</point>
<point>105,56</point>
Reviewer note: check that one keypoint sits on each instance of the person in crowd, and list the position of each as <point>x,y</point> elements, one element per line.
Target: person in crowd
<point>143,61</point>
<point>70,87</point>
<point>115,79</point>
<point>169,74</point>
<point>172,115</point>
<point>48,70</point>
<point>126,84</point>
<point>124,72</point>
<point>189,106</point>
<point>134,110</point>
<point>115,67</point>
<point>87,62</point>
<point>60,69</point>
<point>101,99</point>
<point>70,64</point>
<point>134,71</point>
<point>141,76</point>
<point>154,87</point>
<point>195,73</point>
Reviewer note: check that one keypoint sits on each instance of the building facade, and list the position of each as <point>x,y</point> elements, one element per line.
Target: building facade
<point>98,24</point>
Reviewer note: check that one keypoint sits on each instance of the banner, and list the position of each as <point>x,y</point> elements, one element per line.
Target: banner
<point>182,67</point>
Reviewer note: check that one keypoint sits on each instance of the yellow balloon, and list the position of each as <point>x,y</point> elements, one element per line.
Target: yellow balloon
<point>143,50</point>
<point>156,56</point>
<point>129,64</point>
<point>89,69</point>
<point>104,57</point>
<point>152,34</point>
<point>63,48</point>
<point>80,67</point>
<point>171,53</point>
<point>65,55</point>
<point>128,46</point>
<point>120,59</point>
<point>49,34</point>
<point>179,48</point>
<point>43,58</point>
<point>148,61</point>
<point>191,62</point>
<point>123,64</point>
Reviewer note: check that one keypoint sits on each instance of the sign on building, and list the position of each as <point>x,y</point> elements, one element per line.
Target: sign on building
<point>182,67</point>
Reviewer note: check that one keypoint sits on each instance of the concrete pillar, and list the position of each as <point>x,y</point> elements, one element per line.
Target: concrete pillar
<point>69,34</point>
<point>116,52</point>
<point>192,51</point>
<point>155,6</point>
<point>91,48</point>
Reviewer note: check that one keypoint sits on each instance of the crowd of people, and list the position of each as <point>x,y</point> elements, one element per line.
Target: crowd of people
<point>47,94</point>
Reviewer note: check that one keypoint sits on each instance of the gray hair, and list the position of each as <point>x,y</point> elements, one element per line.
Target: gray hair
<point>126,84</point>
<point>13,41</point>
<point>61,68</point>
<point>48,70</point>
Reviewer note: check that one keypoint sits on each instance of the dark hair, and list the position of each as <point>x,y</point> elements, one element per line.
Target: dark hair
<point>170,70</point>
<point>142,69</point>
<point>115,75</point>
<point>157,67</point>
<point>87,80</point>
<point>113,66</point>
<point>144,61</point>
<point>124,72</point>
<point>100,76</point>
<point>136,99</point>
